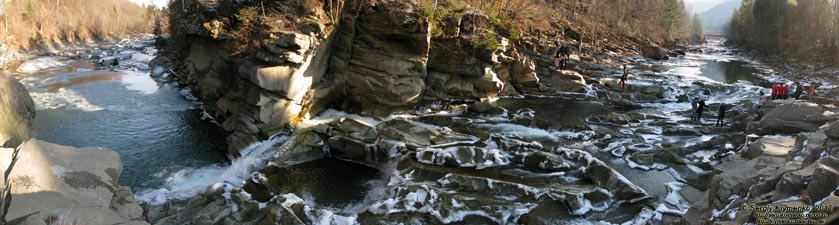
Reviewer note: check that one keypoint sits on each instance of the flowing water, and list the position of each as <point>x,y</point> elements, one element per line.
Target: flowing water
<point>154,128</point>
<point>169,150</point>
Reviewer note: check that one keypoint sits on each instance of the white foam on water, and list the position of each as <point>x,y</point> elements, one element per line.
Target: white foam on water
<point>190,182</point>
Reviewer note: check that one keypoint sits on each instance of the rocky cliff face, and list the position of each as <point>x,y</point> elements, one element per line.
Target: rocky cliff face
<point>53,184</point>
<point>18,111</point>
<point>375,57</point>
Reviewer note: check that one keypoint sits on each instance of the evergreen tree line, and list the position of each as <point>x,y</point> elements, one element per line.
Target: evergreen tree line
<point>803,29</point>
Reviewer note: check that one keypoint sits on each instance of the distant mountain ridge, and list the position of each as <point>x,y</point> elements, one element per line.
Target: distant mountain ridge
<point>715,18</point>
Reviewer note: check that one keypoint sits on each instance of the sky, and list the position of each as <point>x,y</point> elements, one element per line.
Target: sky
<point>699,6</point>
<point>158,3</point>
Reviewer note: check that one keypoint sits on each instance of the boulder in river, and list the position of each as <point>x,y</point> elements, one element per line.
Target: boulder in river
<point>791,118</point>
<point>654,52</point>
<point>17,110</point>
<point>67,185</point>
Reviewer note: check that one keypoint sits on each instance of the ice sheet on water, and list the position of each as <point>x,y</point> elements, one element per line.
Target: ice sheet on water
<point>674,198</point>
<point>63,98</point>
<point>42,64</point>
<point>523,131</point>
<point>190,182</point>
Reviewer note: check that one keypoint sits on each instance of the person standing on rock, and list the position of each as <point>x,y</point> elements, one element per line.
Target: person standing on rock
<point>760,100</point>
<point>798,91</point>
<point>785,91</point>
<point>811,90</point>
<point>774,93</point>
<point>557,59</point>
<point>699,109</point>
<point>624,76</point>
<point>720,116</point>
<point>693,105</point>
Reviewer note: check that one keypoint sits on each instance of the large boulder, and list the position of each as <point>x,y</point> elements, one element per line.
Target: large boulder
<point>791,118</point>
<point>17,110</point>
<point>654,52</point>
<point>770,147</point>
<point>67,185</point>
<point>825,179</point>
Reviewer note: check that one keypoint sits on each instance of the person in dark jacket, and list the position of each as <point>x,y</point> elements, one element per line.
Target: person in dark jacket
<point>720,116</point>
<point>624,76</point>
<point>699,109</point>
<point>798,90</point>
<point>693,104</point>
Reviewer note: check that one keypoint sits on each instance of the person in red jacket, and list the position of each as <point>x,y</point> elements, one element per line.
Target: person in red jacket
<point>780,93</point>
<point>786,91</point>
<point>774,93</point>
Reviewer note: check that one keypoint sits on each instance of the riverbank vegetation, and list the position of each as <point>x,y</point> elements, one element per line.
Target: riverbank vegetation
<point>32,24</point>
<point>609,24</point>
<point>793,29</point>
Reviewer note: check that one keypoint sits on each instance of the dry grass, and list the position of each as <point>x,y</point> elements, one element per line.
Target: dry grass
<point>29,24</point>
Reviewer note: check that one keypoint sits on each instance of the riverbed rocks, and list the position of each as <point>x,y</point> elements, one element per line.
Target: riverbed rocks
<point>58,184</point>
<point>18,110</point>
<point>791,118</point>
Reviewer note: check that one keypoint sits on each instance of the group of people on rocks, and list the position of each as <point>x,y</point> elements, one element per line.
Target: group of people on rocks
<point>561,55</point>
<point>781,91</point>
<point>698,107</point>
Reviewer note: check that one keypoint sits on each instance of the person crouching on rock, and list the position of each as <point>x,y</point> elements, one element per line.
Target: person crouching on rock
<point>699,109</point>
<point>720,116</point>
<point>624,76</point>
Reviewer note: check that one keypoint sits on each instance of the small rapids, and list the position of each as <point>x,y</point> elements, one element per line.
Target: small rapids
<point>192,181</point>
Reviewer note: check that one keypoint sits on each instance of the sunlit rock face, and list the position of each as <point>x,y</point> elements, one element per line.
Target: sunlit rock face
<point>257,85</point>
<point>67,185</point>
<point>17,110</point>
<point>368,59</point>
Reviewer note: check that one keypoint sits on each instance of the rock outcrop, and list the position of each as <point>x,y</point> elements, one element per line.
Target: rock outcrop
<point>276,80</point>
<point>791,118</point>
<point>368,59</point>
<point>53,184</point>
<point>17,110</point>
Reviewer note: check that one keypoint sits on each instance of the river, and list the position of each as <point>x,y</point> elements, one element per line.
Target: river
<point>169,149</point>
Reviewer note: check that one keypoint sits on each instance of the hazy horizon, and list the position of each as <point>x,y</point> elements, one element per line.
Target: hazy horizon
<point>698,6</point>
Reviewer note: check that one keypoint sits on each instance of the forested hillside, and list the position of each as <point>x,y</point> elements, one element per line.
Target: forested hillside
<point>802,29</point>
<point>29,24</point>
